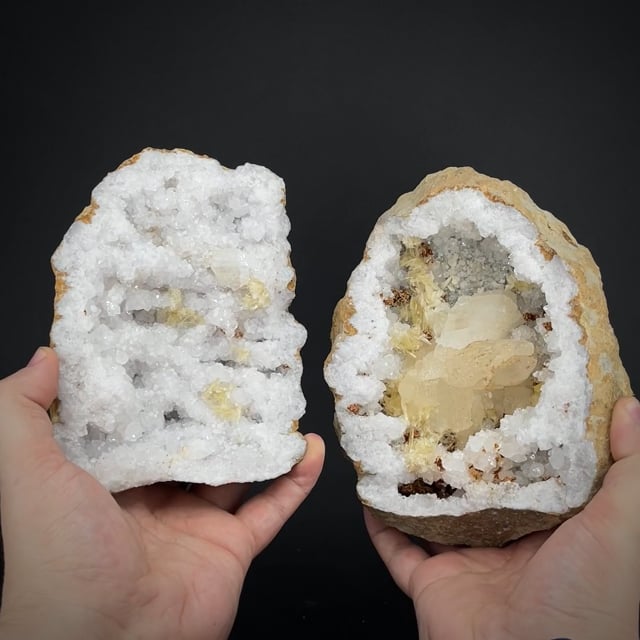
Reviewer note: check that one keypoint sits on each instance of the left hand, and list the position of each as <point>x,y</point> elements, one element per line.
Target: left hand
<point>151,562</point>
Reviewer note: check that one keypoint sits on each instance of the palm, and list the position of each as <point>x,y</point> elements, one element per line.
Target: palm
<point>190,557</point>
<point>472,589</point>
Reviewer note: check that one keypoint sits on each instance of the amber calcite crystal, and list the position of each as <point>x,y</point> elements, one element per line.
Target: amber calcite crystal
<point>470,374</point>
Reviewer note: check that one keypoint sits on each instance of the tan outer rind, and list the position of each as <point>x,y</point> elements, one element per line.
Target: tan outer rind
<point>86,216</point>
<point>486,528</point>
<point>606,373</point>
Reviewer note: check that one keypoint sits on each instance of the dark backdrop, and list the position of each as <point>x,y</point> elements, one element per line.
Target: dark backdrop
<point>352,104</point>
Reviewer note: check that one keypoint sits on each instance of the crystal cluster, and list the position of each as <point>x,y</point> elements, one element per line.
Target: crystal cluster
<point>471,338</point>
<point>179,358</point>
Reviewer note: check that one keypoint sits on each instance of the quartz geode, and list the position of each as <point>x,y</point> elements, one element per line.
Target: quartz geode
<point>179,358</point>
<point>473,365</point>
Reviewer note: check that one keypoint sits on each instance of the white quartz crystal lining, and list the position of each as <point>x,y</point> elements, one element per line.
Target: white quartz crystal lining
<point>179,280</point>
<point>550,434</point>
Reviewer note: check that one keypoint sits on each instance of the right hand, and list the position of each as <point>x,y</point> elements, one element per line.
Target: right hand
<point>581,581</point>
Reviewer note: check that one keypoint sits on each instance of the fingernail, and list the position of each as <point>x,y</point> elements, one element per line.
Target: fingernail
<point>632,408</point>
<point>40,354</point>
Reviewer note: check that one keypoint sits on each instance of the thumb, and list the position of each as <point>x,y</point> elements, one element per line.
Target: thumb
<point>620,486</point>
<point>625,429</point>
<point>614,511</point>
<point>25,427</point>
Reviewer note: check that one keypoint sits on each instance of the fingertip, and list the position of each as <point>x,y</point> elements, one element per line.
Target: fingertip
<point>376,528</point>
<point>43,365</point>
<point>313,460</point>
<point>396,550</point>
<point>315,445</point>
<point>25,397</point>
<point>37,357</point>
<point>40,355</point>
<point>38,380</point>
<point>265,513</point>
<point>631,408</point>
<point>625,428</point>
<point>372,523</point>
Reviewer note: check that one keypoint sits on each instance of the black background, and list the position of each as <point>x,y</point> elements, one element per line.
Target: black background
<point>352,104</point>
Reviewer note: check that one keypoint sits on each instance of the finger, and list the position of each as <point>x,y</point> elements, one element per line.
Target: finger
<point>265,514</point>
<point>25,428</point>
<point>529,544</point>
<point>399,554</point>
<point>38,381</point>
<point>625,428</point>
<point>227,497</point>
<point>620,485</point>
<point>436,548</point>
<point>148,498</point>
<point>613,513</point>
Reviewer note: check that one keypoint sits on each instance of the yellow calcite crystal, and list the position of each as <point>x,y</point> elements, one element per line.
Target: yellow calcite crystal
<point>487,315</point>
<point>256,295</point>
<point>407,339</point>
<point>468,376</point>
<point>425,294</point>
<point>176,314</point>
<point>217,395</point>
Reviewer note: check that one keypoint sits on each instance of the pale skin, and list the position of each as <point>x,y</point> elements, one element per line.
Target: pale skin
<point>582,581</point>
<point>158,562</point>
<point>153,562</point>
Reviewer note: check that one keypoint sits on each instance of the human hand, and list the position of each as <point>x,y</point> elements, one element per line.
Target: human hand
<point>152,562</point>
<point>581,581</point>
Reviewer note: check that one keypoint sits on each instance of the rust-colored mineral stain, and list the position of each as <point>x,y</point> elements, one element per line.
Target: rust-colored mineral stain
<point>425,251</point>
<point>54,411</point>
<point>87,213</point>
<point>547,252</point>
<point>60,286</point>
<point>397,298</point>
<point>449,441</point>
<point>476,474</point>
<point>411,434</point>
<point>344,311</point>
<point>133,159</point>
<point>576,314</point>
<point>439,488</point>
